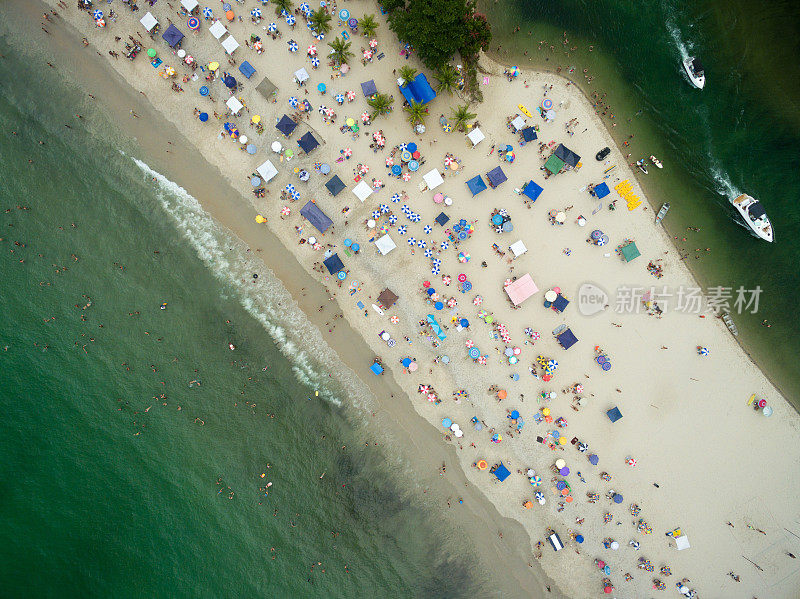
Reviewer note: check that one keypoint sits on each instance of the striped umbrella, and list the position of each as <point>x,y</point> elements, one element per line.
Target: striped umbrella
<point>394,320</point>
<point>351,95</point>
<point>536,481</point>
<point>256,12</point>
<point>435,270</point>
<point>405,209</point>
<point>258,46</point>
<point>347,152</point>
<point>304,7</point>
<point>392,219</point>
<point>535,335</point>
<point>406,176</point>
<point>428,253</point>
<point>295,195</point>
<point>396,198</point>
<point>320,36</point>
<point>329,111</point>
<point>384,208</point>
<point>403,146</point>
<point>436,261</point>
<point>445,245</point>
<point>412,242</point>
<point>290,20</point>
<point>478,300</point>
<point>376,214</point>
<point>294,102</point>
<point>100,22</point>
<point>289,188</point>
<point>373,43</point>
<point>284,12</point>
<point>367,54</point>
<point>365,116</point>
<point>402,230</point>
<point>98,14</point>
<point>312,50</point>
<point>482,360</point>
<point>421,243</point>
<point>427,229</point>
<point>389,161</point>
<point>339,98</point>
<point>273,27</point>
<point>292,46</point>
<point>447,128</point>
<point>286,211</point>
<point>207,12</point>
<point>322,109</point>
<point>363,169</point>
<point>377,184</point>
<point>415,218</point>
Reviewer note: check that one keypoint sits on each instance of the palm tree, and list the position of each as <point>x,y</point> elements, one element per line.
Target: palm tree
<point>380,104</point>
<point>407,73</point>
<point>340,50</point>
<point>368,25</point>
<point>320,20</point>
<point>416,113</point>
<point>462,116</point>
<point>281,5</point>
<point>447,77</point>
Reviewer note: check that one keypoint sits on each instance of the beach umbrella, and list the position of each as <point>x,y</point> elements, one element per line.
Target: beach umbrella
<point>251,149</point>
<point>290,188</point>
<point>293,102</point>
<point>413,165</point>
<point>444,245</point>
<point>204,91</point>
<point>347,152</point>
<point>351,95</point>
<point>535,335</point>
<point>339,98</point>
<point>536,481</point>
<point>255,181</point>
<point>330,111</point>
<point>365,116</point>
<point>367,54</point>
<point>427,229</point>
<point>593,459</point>
<point>421,243</point>
<point>547,103</point>
<point>474,353</point>
<point>392,219</point>
<point>703,351</point>
<point>256,12</point>
<point>617,498</point>
<point>373,43</point>
<point>412,241</point>
<point>258,46</point>
<point>469,343</point>
<point>304,7</point>
<point>344,15</point>
<point>446,280</point>
<point>314,61</point>
<point>406,176</point>
<point>292,46</point>
<point>396,170</point>
<point>363,169</point>
<point>290,20</point>
<point>286,211</point>
<point>203,117</point>
<point>447,127</point>
<point>193,23</point>
<point>207,12</point>
<point>431,396</point>
<point>98,14</point>
<point>402,230</point>
<point>482,360</point>
<point>228,80</point>
<point>295,195</point>
<point>596,234</point>
<point>312,50</point>
<point>322,109</point>
<point>383,208</point>
<point>100,23</point>
<point>273,27</point>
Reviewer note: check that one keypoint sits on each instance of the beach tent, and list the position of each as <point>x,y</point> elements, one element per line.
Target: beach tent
<point>308,142</point>
<point>601,190</point>
<point>335,185</point>
<point>528,134</point>
<point>334,264</point>
<point>148,21</point>
<point>387,298</point>
<point>362,190</point>
<point>385,244</point>
<point>476,185</point>
<point>568,156</point>
<point>234,105</point>
<point>555,541</point>
<point>682,542</point>
<point>433,179</point>
<point>368,88</point>
<point>614,414</point>
<point>267,171</point>
<point>501,472</point>
<point>521,289</point>
<point>172,36</point>
<point>247,69</point>
<point>376,368</point>
<point>532,190</point>
<point>286,125</point>
<point>230,44</point>
<point>266,88</point>
<point>476,136</point>
<point>301,75</point>
<point>560,303</point>
<point>435,327</point>
<point>554,164</point>
<point>189,5</point>
<point>567,339</point>
<point>217,29</point>
<point>630,252</point>
<point>518,123</point>
<point>312,213</point>
<point>442,219</point>
<point>496,176</point>
<point>418,90</point>
<point>518,248</point>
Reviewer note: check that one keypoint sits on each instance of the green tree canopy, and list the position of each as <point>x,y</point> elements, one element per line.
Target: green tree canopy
<point>435,29</point>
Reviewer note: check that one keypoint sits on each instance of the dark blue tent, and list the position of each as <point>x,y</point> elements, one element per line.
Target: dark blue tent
<point>567,339</point>
<point>419,90</point>
<point>496,176</point>
<point>247,69</point>
<point>567,155</point>
<point>501,472</point>
<point>442,219</point>
<point>172,36</point>
<point>528,134</point>
<point>286,125</point>
<point>316,217</point>
<point>308,142</point>
<point>601,190</point>
<point>614,414</point>
<point>368,87</point>
<point>560,303</point>
<point>334,264</point>
<point>476,185</point>
<point>532,190</point>
<point>335,185</point>
<point>229,80</point>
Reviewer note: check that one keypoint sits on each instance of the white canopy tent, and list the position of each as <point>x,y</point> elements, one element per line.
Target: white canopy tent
<point>218,29</point>
<point>433,179</point>
<point>518,123</point>
<point>301,75</point>
<point>518,248</point>
<point>362,190</point>
<point>149,21</point>
<point>230,44</point>
<point>385,244</point>
<point>682,542</point>
<point>476,136</point>
<point>267,171</point>
<point>234,105</point>
<point>189,5</point>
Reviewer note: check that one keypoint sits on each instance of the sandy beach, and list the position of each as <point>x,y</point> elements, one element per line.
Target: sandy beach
<point>684,415</point>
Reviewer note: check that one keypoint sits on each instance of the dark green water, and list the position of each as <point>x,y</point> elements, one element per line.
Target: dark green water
<point>741,134</point>
<point>119,476</point>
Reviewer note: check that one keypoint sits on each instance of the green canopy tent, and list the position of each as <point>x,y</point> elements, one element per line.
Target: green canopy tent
<point>629,252</point>
<point>554,164</point>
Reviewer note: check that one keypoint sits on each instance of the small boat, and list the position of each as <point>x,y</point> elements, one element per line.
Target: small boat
<point>642,166</point>
<point>726,318</point>
<point>656,161</point>
<point>754,215</point>
<point>662,213</point>
<point>694,68</point>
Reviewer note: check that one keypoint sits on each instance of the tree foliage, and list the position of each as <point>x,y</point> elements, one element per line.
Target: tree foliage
<point>416,113</point>
<point>340,50</point>
<point>321,20</point>
<point>368,25</point>
<point>381,104</point>
<point>462,116</point>
<point>447,78</point>
<point>281,5</point>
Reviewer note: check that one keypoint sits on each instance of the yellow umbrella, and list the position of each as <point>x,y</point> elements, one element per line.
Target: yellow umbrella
<point>562,441</point>
<point>260,219</point>
<point>213,66</point>
<point>546,411</point>
<point>350,122</point>
<point>170,71</point>
<point>256,119</point>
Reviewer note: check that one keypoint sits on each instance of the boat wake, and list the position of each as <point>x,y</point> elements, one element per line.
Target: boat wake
<point>675,33</point>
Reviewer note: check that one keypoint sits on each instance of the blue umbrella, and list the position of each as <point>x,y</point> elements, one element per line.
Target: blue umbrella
<point>320,36</point>
<point>273,27</point>
<point>314,61</point>
<point>464,322</point>
<point>229,80</point>
<point>295,195</point>
<point>321,87</point>
<point>325,168</point>
<point>456,228</point>
<point>290,188</point>
<point>412,147</point>
<point>204,91</point>
<point>402,230</point>
<point>392,219</point>
<point>203,117</point>
<point>474,353</point>
<point>226,6</point>
<point>376,214</point>
<point>293,102</point>
<point>466,285</point>
<point>427,229</point>
<point>255,181</point>
<point>514,415</point>
<point>290,20</point>
<point>284,12</point>
<point>305,7</point>
<point>251,149</point>
<point>98,14</point>
<point>462,235</point>
<point>396,198</point>
<point>438,305</point>
<point>497,219</point>
<point>344,14</point>
<point>428,253</point>
<point>446,422</point>
<point>384,208</point>
<point>412,242</point>
<point>463,222</point>
<point>597,234</point>
<point>430,291</point>
<point>593,459</point>
<point>413,165</point>
<point>339,98</point>
<point>208,13</point>
<point>396,170</point>
<point>618,498</point>
<point>560,485</point>
<point>444,245</point>
<point>256,12</point>
<point>292,46</point>
<point>356,247</point>
<point>579,538</point>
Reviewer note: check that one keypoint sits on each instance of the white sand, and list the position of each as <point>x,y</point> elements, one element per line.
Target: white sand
<point>684,416</point>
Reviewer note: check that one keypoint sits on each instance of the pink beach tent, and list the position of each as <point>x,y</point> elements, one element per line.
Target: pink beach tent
<point>521,289</point>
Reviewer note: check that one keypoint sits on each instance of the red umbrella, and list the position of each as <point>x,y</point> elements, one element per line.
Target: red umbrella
<point>416,155</point>
<point>406,176</point>
<point>347,152</point>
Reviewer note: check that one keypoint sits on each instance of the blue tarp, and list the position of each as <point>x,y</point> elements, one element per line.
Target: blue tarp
<point>567,339</point>
<point>368,87</point>
<point>172,36</point>
<point>436,328</point>
<point>614,414</point>
<point>419,90</point>
<point>376,368</point>
<point>308,142</point>
<point>442,219</point>
<point>601,190</point>
<point>335,185</point>
<point>567,155</point>
<point>501,472</point>
<point>496,176</point>
<point>286,125</point>
<point>560,303</point>
<point>476,185</point>
<point>316,217</point>
<point>528,134</point>
<point>334,264</point>
<point>247,69</point>
<point>532,190</point>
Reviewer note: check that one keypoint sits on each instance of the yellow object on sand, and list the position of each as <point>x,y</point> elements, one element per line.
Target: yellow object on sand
<point>525,111</point>
<point>260,219</point>
<point>750,401</point>
<point>213,66</point>
<point>545,411</point>
<point>256,119</point>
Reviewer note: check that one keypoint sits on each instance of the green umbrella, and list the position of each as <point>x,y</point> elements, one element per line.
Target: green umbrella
<point>288,153</point>
<point>151,53</point>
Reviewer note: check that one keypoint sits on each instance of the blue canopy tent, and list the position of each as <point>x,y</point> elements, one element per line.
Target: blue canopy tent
<point>568,156</point>
<point>335,185</point>
<point>496,176</point>
<point>560,303</point>
<point>316,217</point>
<point>614,414</point>
<point>567,339</point>
<point>418,90</point>
<point>286,125</point>
<point>528,134</point>
<point>476,185</point>
<point>601,190</point>
<point>368,88</point>
<point>247,69</point>
<point>442,219</point>
<point>308,142</point>
<point>172,36</point>
<point>436,328</point>
<point>376,368</point>
<point>501,472</point>
<point>532,190</point>
<point>334,264</point>
<point>228,80</point>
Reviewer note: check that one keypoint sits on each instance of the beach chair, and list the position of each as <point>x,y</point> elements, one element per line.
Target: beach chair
<point>345,35</point>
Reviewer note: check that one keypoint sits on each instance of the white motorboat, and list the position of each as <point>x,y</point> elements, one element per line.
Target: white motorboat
<point>656,162</point>
<point>753,213</point>
<point>694,68</point>
<point>642,166</point>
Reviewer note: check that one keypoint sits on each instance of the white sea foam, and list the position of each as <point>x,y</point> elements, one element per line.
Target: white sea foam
<point>722,180</point>
<point>676,35</point>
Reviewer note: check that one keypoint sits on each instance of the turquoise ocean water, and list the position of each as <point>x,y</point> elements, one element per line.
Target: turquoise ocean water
<point>121,475</point>
<point>739,135</point>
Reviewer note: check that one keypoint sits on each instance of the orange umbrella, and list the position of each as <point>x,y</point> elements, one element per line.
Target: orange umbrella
<point>569,499</point>
<point>502,394</point>
<point>482,465</point>
<point>565,492</point>
<point>527,505</point>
